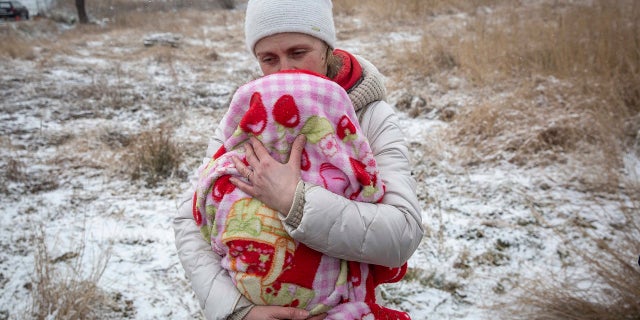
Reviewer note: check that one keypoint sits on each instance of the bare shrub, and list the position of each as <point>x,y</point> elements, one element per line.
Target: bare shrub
<point>153,155</point>
<point>64,287</point>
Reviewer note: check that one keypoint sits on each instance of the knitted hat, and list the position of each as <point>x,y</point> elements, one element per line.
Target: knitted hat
<point>268,17</point>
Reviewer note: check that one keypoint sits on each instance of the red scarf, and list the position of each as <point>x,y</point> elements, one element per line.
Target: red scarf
<point>350,72</point>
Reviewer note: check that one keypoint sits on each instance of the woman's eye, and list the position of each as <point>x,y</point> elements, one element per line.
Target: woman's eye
<point>298,53</point>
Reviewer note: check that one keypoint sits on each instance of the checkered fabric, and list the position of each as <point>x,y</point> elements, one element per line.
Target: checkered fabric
<point>266,264</point>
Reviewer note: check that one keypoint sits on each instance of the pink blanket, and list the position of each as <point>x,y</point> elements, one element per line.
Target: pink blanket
<point>266,264</point>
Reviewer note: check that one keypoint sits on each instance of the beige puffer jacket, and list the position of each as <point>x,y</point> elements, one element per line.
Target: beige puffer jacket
<point>384,234</point>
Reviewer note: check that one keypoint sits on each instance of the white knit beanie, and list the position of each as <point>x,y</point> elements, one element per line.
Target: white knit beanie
<point>268,17</point>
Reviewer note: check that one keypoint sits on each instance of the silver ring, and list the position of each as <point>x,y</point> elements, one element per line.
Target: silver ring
<point>249,174</point>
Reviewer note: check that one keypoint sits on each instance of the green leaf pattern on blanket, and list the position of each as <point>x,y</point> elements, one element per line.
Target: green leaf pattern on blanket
<point>207,229</point>
<point>251,226</point>
<point>317,128</point>
<point>206,234</point>
<point>246,222</point>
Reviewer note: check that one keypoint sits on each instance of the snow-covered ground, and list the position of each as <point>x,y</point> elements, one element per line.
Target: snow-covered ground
<point>70,114</point>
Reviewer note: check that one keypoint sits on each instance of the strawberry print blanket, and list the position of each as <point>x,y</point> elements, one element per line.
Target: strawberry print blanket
<point>265,263</point>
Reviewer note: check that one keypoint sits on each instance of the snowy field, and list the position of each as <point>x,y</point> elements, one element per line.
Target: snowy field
<point>72,112</point>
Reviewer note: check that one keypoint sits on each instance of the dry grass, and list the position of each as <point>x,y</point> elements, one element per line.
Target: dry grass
<point>561,40</point>
<point>65,287</point>
<point>14,170</point>
<point>409,10</point>
<point>610,288</point>
<point>137,13</point>
<point>544,122</point>
<point>153,156</point>
<point>561,82</point>
<point>14,45</point>
<point>594,54</point>
<point>560,85</point>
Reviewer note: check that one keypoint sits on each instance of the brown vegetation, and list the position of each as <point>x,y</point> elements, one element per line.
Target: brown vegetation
<point>65,286</point>
<point>153,156</point>
<point>558,86</point>
<point>608,290</point>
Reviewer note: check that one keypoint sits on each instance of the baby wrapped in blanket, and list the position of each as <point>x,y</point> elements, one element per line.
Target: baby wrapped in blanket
<point>265,263</point>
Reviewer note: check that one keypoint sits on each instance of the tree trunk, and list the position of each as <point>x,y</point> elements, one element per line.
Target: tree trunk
<point>82,12</point>
<point>228,4</point>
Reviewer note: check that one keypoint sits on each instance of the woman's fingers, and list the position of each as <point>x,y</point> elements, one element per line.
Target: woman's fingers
<point>270,181</point>
<point>255,148</point>
<point>244,171</point>
<point>296,151</point>
<point>275,313</point>
<point>249,154</point>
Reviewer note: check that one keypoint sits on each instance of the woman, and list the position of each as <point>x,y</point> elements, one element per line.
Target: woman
<point>300,35</point>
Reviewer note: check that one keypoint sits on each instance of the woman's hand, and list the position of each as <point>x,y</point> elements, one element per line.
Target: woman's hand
<point>277,313</point>
<point>270,181</point>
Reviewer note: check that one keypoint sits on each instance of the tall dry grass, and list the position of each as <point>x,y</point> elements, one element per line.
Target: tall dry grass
<point>108,7</point>
<point>65,287</point>
<point>408,10</point>
<point>14,47</point>
<point>557,82</point>
<point>563,76</point>
<point>578,68</point>
<point>143,15</point>
<point>577,41</point>
<point>15,42</point>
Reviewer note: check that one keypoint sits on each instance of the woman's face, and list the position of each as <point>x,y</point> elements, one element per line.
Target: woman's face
<point>291,51</point>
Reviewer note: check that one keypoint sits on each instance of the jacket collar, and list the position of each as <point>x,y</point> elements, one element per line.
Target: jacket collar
<point>361,79</point>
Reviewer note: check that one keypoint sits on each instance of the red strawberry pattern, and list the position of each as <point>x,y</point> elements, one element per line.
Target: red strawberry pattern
<point>360,170</point>
<point>345,127</point>
<point>305,163</point>
<point>197,215</point>
<point>222,150</point>
<point>286,112</point>
<point>255,119</point>
<point>221,187</point>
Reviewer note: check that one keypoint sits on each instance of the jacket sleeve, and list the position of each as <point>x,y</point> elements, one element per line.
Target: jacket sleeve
<point>385,233</point>
<point>211,283</point>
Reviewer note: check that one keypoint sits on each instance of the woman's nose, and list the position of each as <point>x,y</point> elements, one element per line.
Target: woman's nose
<point>285,64</point>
